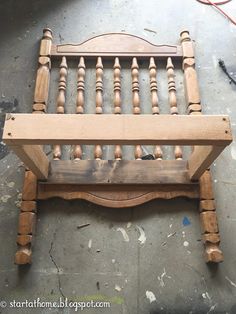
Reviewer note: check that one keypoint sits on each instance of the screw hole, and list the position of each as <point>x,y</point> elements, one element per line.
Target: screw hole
<point>226,132</point>
<point>224,119</point>
<point>9,134</point>
<point>13,118</point>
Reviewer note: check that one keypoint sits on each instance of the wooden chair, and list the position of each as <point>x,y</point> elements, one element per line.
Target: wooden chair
<point>117,183</point>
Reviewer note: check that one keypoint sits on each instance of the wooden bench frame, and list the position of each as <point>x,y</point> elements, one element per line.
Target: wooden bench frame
<point>117,183</point>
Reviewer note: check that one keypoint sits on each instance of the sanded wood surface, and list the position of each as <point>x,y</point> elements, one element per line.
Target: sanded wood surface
<point>120,129</point>
<point>116,45</point>
<point>202,158</point>
<point>118,172</point>
<point>123,198</point>
<point>34,158</point>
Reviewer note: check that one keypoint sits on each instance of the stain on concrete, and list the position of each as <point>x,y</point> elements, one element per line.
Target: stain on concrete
<point>6,107</point>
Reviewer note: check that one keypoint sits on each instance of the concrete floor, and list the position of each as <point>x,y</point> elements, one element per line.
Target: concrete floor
<point>175,274</point>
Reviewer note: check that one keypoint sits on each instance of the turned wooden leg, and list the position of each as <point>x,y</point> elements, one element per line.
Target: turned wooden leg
<point>208,217</point>
<point>27,220</point>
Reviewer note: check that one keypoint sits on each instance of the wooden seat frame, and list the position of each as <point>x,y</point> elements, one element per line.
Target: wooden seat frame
<point>118,182</point>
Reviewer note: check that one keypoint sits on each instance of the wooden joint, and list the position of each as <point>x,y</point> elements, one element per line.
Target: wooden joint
<point>27,221</point>
<point>209,222</point>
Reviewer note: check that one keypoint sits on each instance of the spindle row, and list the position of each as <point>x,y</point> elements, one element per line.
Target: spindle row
<point>61,98</point>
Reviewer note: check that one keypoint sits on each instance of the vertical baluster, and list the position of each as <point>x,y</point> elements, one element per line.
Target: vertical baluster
<point>173,100</point>
<point>80,101</point>
<point>99,91</point>
<point>61,101</point>
<point>136,100</point>
<point>154,97</point>
<point>117,101</point>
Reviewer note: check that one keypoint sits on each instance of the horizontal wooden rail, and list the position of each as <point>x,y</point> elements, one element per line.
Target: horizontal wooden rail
<point>116,45</point>
<point>72,129</point>
<point>117,172</point>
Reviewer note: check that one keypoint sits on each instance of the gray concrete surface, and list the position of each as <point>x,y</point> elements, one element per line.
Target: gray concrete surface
<point>174,273</point>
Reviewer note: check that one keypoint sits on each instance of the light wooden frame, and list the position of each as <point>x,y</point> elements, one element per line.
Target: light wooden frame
<point>117,183</point>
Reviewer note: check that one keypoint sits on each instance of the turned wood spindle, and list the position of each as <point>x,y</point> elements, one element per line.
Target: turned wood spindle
<point>158,154</point>
<point>99,100</point>
<point>173,101</point>
<point>27,216</point>
<point>136,100</point>
<point>208,217</point>
<point>61,99</point>
<point>117,101</point>
<point>80,101</point>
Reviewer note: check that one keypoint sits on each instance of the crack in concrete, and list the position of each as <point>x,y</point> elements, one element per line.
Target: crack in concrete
<point>58,270</point>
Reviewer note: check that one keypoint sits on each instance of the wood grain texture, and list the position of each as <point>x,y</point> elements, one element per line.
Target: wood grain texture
<point>120,45</point>
<point>29,192</point>
<point>28,206</point>
<point>117,100</point>
<point>173,101</point>
<point>158,153</point>
<point>34,158</point>
<point>208,218</point>
<point>114,198</point>
<point>27,222</point>
<point>201,158</point>
<point>120,129</point>
<point>118,172</point>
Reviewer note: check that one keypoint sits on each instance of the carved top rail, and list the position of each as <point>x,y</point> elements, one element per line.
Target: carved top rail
<point>116,45</point>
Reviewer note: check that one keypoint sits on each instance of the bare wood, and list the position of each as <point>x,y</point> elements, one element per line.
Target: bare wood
<point>173,101</point>
<point>206,188</point>
<point>29,192</point>
<point>23,256</point>
<point>99,101</point>
<point>39,107</point>
<point>201,158</point>
<point>61,99</point>
<point>207,205</point>
<point>80,102</point>
<point>158,154</point>
<point>136,100</point>
<point>211,237</point>
<point>34,158</point>
<point>26,223</point>
<point>28,206</point>
<point>117,100</point>
<point>118,172</point>
<point>120,45</point>
<point>209,222</point>
<point>122,198</point>
<point>46,43</point>
<point>24,239</point>
<point>42,81</point>
<point>120,129</point>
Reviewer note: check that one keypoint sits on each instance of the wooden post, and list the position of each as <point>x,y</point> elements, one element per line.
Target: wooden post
<point>27,217</point>
<point>80,101</point>
<point>208,218</point>
<point>61,99</point>
<point>43,73</point>
<point>99,101</point>
<point>117,101</point>
<point>173,101</point>
<point>158,154</point>
<point>136,100</point>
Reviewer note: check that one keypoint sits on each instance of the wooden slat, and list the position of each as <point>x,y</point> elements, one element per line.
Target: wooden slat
<point>201,158</point>
<point>120,129</point>
<point>116,45</point>
<point>34,158</point>
<point>118,172</point>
